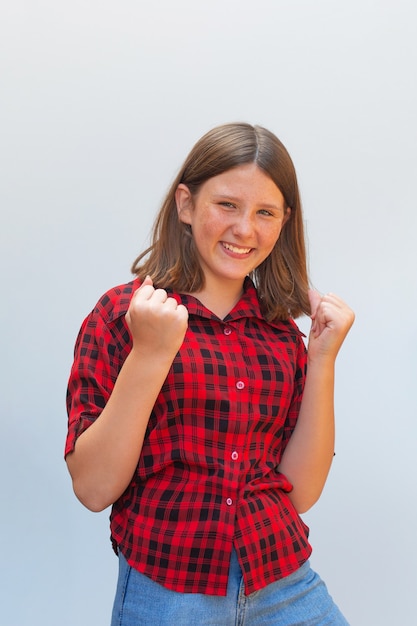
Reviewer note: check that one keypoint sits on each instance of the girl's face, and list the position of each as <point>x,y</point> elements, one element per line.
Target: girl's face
<point>236,219</point>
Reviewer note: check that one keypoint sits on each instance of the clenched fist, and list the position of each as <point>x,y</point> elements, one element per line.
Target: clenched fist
<point>156,321</point>
<point>331,321</point>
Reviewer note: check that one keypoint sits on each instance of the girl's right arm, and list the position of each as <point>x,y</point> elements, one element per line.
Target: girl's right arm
<point>107,453</point>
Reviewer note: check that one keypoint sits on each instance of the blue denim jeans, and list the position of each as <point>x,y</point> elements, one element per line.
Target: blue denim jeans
<point>300,599</point>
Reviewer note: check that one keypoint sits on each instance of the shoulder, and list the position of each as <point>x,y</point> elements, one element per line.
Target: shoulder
<point>114,303</point>
<point>279,326</point>
<point>288,326</point>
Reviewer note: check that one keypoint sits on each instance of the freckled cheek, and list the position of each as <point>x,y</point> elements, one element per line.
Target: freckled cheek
<point>206,235</point>
<point>211,228</point>
<point>272,237</point>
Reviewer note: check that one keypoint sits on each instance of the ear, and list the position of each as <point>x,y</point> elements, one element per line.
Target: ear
<point>184,202</point>
<point>287,215</point>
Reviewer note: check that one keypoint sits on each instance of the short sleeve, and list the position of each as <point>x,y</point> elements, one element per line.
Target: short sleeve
<point>100,351</point>
<point>299,382</point>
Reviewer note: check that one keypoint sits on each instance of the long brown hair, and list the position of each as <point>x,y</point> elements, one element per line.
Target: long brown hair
<point>171,259</point>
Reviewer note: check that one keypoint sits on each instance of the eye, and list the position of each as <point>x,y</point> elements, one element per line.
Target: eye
<point>228,205</point>
<point>265,212</point>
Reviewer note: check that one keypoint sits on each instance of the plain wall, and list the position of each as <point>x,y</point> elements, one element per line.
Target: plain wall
<point>100,103</point>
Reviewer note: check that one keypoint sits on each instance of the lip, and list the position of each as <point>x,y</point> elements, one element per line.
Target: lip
<point>236,251</point>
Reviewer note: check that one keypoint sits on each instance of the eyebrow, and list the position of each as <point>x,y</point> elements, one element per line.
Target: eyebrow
<point>263,205</point>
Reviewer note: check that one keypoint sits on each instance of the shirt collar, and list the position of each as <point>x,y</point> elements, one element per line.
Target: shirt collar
<point>247,307</point>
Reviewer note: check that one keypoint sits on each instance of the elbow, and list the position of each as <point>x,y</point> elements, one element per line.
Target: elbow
<point>89,493</point>
<point>93,506</point>
<point>303,502</point>
<point>91,499</point>
<point>304,508</point>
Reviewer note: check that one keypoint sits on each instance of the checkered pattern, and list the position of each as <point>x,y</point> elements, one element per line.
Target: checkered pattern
<point>208,474</point>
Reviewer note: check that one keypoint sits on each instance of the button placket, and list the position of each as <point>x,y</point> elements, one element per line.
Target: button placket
<point>234,455</point>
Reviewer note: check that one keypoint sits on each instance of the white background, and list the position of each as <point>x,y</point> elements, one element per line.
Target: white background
<point>100,103</point>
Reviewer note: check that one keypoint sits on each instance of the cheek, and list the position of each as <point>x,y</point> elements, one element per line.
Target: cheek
<point>209,225</point>
<point>203,234</point>
<point>271,237</point>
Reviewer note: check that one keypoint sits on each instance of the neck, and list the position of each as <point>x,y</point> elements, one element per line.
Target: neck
<point>220,301</point>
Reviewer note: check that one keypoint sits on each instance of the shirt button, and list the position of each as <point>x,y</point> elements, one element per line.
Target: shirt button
<point>229,501</point>
<point>227,330</point>
<point>235,455</point>
<point>240,384</point>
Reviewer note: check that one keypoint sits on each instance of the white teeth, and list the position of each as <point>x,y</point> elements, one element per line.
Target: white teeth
<point>228,246</point>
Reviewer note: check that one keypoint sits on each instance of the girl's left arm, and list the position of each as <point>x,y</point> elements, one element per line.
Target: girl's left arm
<point>308,456</point>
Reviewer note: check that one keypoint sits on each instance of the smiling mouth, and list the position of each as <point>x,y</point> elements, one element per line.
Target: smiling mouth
<point>235,249</point>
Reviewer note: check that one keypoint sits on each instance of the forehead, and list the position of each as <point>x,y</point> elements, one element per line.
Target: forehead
<point>246,179</point>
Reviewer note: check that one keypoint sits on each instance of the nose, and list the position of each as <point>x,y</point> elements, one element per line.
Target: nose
<point>244,225</point>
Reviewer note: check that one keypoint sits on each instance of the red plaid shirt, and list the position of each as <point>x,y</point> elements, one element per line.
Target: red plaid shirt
<point>208,477</point>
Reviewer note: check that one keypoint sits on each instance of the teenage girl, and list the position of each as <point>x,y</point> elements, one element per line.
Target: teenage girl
<point>195,409</point>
